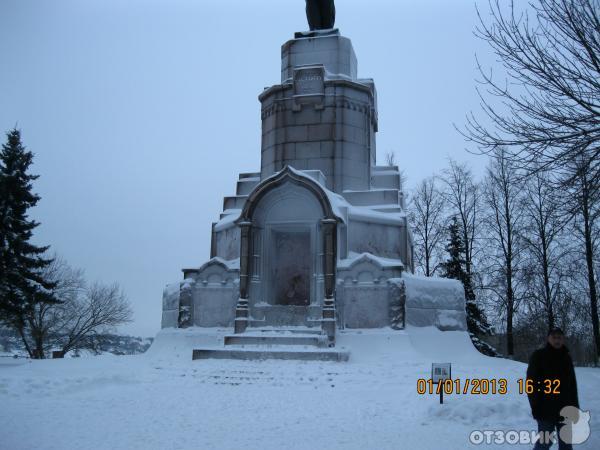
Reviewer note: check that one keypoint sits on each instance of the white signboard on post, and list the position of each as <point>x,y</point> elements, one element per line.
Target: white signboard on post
<point>441,372</point>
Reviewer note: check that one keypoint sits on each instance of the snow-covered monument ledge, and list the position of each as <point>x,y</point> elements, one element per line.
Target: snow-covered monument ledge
<point>318,240</point>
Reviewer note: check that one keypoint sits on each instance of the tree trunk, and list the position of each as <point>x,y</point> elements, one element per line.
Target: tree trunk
<point>550,316</point>
<point>25,343</point>
<point>510,309</point>
<point>510,294</point>
<point>547,291</point>
<point>510,345</point>
<point>589,259</point>
<point>39,347</point>
<point>427,255</point>
<point>467,253</point>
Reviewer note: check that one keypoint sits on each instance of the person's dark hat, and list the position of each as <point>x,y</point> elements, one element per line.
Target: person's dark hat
<point>555,330</point>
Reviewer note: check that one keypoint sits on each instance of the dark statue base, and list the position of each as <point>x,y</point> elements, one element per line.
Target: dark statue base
<point>316,33</point>
<point>320,14</point>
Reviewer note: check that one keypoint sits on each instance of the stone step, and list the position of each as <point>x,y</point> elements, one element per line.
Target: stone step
<point>248,175</point>
<point>387,208</point>
<point>385,180</point>
<point>284,330</point>
<point>384,168</point>
<point>234,202</point>
<point>313,323</point>
<point>229,212</point>
<point>245,185</point>
<point>282,316</point>
<point>261,354</point>
<point>372,197</point>
<point>275,339</point>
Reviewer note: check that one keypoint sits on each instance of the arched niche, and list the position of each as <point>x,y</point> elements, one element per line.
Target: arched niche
<point>288,244</point>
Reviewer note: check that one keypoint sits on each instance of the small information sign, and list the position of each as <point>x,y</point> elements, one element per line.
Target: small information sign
<point>440,372</point>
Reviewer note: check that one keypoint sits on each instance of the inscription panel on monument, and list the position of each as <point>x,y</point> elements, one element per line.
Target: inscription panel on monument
<point>309,81</point>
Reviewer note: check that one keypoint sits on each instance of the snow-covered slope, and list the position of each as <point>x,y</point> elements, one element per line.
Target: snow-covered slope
<point>164,400</point>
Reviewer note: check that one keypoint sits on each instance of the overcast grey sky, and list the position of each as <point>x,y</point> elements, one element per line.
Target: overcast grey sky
<point>141,113</point>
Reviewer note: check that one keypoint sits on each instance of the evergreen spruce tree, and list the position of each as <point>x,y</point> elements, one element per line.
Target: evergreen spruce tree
<point>21,262</point>
<point>454,267</point>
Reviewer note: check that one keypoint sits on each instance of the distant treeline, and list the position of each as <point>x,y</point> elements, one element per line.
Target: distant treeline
<point>12,345</point>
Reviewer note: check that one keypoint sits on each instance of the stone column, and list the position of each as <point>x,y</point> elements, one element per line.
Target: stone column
<point>186,304</point>
<point>241,310</point>
<point>213,241</point>
<point>328,230</point>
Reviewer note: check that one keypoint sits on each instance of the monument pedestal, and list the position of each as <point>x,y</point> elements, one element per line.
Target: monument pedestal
<point>318,240</point>
<point>322,116</point>
<point>330,49</point>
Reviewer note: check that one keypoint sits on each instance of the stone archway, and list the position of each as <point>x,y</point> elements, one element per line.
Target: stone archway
<point>288,237</point>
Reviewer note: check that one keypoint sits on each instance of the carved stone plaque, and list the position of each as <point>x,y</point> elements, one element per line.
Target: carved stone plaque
<point>309,81</point>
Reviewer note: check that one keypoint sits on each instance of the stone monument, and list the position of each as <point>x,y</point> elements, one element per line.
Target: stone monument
<point>318,238</point>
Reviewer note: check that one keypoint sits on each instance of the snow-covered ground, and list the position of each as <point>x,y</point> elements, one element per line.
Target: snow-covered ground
<point>164,400</point>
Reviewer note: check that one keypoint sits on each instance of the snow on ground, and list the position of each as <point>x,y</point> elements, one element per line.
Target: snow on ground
<point>164,400</point>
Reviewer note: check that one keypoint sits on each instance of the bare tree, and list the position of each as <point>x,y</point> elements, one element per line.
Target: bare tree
<point>502,193</point>
<point>585,207</point>
<point>41,318</point>
<point>390,159</point>
<point>102,307</point>
<point>427,209</point>
<point>83,312</point>
<point>463,198</point>
<point>548,111</point>
<point>546,247</point>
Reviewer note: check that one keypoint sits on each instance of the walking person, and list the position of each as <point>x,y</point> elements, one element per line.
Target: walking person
<point>552,378</point>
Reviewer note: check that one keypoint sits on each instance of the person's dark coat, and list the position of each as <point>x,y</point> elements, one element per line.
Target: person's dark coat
<point>549,363</point>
